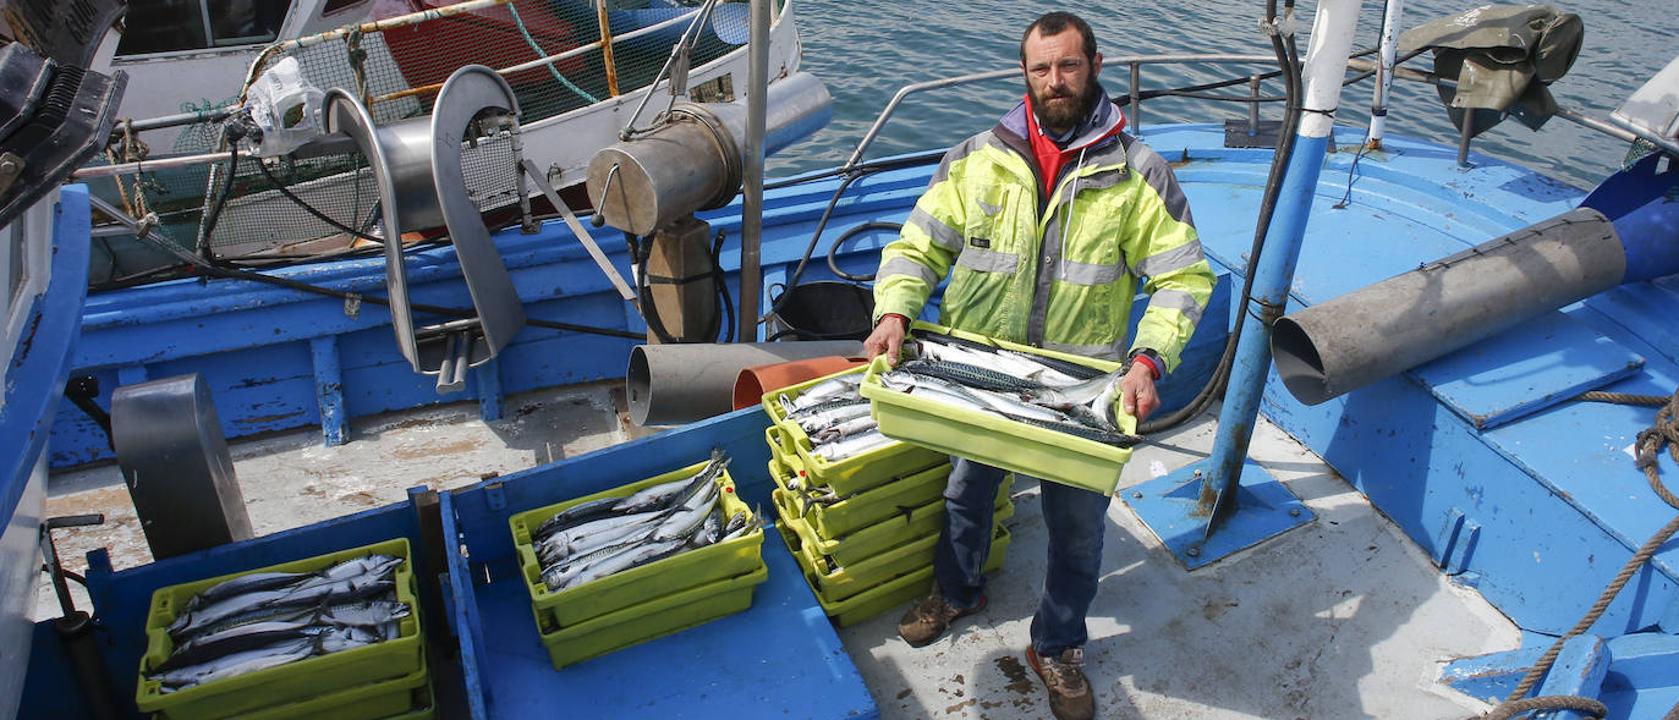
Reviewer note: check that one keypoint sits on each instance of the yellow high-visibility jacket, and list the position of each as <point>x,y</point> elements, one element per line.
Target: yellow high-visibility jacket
<point>1057,273</point>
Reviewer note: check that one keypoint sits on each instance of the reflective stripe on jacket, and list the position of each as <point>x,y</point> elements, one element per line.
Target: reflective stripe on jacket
<point>1057,273</point>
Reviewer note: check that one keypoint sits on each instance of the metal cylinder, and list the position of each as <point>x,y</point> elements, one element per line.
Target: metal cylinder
<point>1329,349</point>
<point>170,447</point>
<point>696,160</point>
<point>671,384</point>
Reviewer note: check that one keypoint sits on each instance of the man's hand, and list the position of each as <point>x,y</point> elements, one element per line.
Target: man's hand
<point>887,338</point>
<point>1137,391</point>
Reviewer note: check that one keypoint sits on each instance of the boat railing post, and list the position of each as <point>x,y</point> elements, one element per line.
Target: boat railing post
<point>606,49</point>
<point>752,202</point>
<point>1384,72</point>
<point>1253,104</point>
<point>1136,97</point>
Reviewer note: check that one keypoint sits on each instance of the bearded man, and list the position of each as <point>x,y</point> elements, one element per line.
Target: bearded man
<point>1045,225</point>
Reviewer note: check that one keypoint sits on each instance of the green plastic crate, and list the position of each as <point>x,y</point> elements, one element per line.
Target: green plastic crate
<point>424,708</point>
<point>780,447</point>
<point>843,582</point>
<point>867,507</point>
<point>291,682</point>
<point>897,593</point>
<point>679,572</point>
<point>653,619</point>
<point>853,474</point>
<point>378,700</point>
<point>867,542</point>
<point>987,438</point>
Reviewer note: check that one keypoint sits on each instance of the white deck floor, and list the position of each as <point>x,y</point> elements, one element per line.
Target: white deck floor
<point>1342,618</point>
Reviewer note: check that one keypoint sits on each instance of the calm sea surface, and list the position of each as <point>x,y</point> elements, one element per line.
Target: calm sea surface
<point>865,51</point>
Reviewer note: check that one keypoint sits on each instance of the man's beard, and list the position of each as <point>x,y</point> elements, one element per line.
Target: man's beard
<point>1059,117</point>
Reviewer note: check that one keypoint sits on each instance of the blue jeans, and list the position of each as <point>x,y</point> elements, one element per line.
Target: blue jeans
<point>1075,520</point>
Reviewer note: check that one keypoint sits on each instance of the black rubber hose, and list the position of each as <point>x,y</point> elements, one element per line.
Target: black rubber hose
<point>833,261</point>
<point>1287,56</point>
<point>810,248</point>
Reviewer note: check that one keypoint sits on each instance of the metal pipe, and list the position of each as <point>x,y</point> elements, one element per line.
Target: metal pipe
<point>1273,271</point>
<point>1337,346</point>
<point>752,200</point>
<point>176,120</point>
<point>1384,72</point>
<point>678,383</point>
<point>1464,136</point>
<point>164,163</point>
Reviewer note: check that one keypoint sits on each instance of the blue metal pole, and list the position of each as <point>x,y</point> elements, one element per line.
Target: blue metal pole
<point>1325,67</point>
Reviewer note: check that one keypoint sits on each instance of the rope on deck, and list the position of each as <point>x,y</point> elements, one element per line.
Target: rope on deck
<point>1663,433</point>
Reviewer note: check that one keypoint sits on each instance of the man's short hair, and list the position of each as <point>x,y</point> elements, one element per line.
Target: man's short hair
<point>1055,23</point>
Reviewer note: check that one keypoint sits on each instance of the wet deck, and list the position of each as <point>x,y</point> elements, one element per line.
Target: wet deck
<point>1343,618</point>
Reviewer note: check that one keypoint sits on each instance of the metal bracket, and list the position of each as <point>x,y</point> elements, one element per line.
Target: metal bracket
<point>582,233</point>
<point>1175,509</point>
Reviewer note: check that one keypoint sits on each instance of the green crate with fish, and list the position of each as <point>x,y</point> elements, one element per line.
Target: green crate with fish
<point>829,426</point>
<point>383,699</point>
<point>832,515</point>
<point>907,525</point>
<point>837,582</point>
<point>650,620</point>
<point>255,641</point>
<point>1050,415</point>
<point>894,593</point>
<point>605,552</point>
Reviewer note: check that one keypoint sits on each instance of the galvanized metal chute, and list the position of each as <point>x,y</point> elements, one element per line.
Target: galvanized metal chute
<point>416,165</point>
<point>1626,230</point>
<point>699,156</point>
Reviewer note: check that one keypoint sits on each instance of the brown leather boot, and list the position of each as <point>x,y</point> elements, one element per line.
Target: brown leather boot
<point>927,620</point>
<point>1069,691</point>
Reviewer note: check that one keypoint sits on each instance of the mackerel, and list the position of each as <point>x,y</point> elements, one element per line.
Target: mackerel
<point>853,446</point>
<point>827,389</point>
<point>845,429</point>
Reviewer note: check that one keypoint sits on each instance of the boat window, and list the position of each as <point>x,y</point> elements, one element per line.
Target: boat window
<point>333,6</point>
<point>156,26</point>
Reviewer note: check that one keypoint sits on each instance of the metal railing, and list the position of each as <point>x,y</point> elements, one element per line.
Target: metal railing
<point>1136,96</point>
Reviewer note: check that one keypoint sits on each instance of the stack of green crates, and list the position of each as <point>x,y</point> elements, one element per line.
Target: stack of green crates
<point>646,602</point>
<point>383,680</point>
<point>871,551</point>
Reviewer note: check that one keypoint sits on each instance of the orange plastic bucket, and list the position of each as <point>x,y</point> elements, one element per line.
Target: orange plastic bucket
<point>753,382</point>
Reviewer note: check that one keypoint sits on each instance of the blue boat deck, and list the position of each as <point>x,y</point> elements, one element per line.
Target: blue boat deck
<point>1506,485</point>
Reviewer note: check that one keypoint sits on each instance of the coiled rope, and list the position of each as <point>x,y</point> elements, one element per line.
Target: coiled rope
<point>1663,433</point>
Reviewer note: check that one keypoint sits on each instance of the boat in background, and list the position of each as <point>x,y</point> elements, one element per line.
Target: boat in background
<point>582,72</point>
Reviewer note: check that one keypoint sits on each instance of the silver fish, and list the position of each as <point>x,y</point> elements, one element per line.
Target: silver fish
<point>238,664</point>
<point>817,422</point>
<point>830,388</point>
<point>840,431</point>
<point>852,446</point>
<point>576,515</point>
<point>639,555</point>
